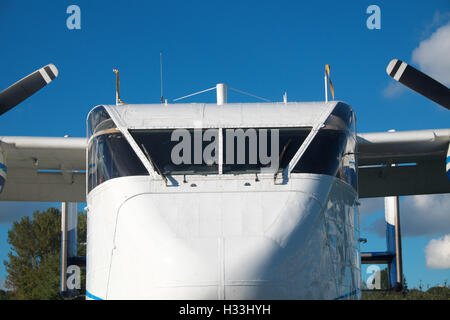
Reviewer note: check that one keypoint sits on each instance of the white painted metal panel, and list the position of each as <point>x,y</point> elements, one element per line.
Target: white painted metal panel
<point>232,115</point>
<point>402,146</point>
<point>44,169</point>
<point>49,153</point>
<point>223,239</point>
<point>423,150</point>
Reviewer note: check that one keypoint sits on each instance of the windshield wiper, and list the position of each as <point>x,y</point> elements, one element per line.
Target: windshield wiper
<point>283,153</point>
<point>153,163</point>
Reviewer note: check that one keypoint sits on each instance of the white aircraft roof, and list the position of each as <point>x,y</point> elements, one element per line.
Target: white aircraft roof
<point>232,115</point>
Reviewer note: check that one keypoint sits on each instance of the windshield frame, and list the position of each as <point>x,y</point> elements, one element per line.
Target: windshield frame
<point>221,167</point>
<point>153,171</point>
<point>341,119</point>
<point>115,160</point>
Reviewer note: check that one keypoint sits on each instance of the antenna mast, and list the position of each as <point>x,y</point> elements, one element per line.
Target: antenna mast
<point>118,100</point>
<point>328,80</point>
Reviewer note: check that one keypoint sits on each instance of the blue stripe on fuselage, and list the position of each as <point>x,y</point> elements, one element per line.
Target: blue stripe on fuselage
<point>90,295</point>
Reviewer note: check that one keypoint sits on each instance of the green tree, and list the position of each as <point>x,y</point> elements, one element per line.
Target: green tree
<point>434,293</point>
<point>440,293</point>
<point>4,295</point>
<point>33,266</point>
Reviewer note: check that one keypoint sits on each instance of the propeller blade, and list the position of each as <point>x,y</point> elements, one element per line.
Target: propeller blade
<point>22,89</point>
<point>419,82</point>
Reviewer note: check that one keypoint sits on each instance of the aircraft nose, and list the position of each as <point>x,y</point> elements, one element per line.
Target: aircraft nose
<point>276,262</point>
<point>164,250</point>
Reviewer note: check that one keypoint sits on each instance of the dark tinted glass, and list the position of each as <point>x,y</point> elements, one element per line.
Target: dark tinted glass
<point>99,120</point>
<point>323,154</point>
<point>242,151</point>
<point>343,112</point>
<point>255,158</point>
<point>162,151</point>
<point>110,156</point>
<point>332,151</point>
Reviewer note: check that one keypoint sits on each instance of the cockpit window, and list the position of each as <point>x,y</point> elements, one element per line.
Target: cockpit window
<point>244,150</point>
<point>110,156</point>
<point>109,153</point>
<point>323,154</point>
<point>195,151</point>
<point>262,150</point>
<point>332,151</point>
<point>180,151</point>
<point>99,120</point>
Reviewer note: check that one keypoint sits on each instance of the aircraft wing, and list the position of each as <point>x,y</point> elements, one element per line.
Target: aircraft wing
<point>44,169</point>
<point>420,158</point>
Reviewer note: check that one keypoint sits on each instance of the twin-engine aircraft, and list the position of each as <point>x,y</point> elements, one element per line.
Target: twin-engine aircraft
<point>225,200</point>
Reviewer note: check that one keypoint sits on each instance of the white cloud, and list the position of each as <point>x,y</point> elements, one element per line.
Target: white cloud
<point>437,253</point>
<point>439,19</point>
<point>393,90</point>
<point>371,205</point>
<point>424,215</point>
<point>432,55</point>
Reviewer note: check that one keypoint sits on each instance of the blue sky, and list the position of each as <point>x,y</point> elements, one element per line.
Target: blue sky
<point>262,47</point>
